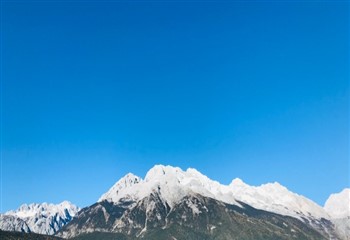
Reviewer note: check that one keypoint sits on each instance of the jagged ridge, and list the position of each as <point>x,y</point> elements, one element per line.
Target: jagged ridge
<point>39,218</point>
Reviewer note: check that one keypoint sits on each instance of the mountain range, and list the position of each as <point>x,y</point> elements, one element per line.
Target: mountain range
<point>170,203</point>
<point>39,218</point>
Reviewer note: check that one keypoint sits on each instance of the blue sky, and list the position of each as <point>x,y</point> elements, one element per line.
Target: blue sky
<point>92,91</point>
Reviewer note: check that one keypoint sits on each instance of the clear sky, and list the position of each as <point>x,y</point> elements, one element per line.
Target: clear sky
<point>93,90</point>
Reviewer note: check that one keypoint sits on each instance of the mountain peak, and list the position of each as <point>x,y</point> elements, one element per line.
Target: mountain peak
<point>66,204</point>
<point>338,204</point>
<point>237,182</point>
<point>274,186</point>
<point>120,186</point>
<point>130,179</point>
<point>159,171</point>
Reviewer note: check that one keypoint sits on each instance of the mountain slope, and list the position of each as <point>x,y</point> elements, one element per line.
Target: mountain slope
<point>194,217</point>
<point>12,223</point>
<point>39,218</point>
<point>276,198</point>
<point>338,207</point>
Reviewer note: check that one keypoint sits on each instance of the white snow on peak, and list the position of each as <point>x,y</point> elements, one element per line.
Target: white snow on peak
<point>160,172</point>
<point>172,183</point>
<point>338,204</point>
<point>25,210</point>
<point>276,198</point>
<point>120,188</point>
<point>237,182</point>
<point>44,218</point>
<point>67,205</point>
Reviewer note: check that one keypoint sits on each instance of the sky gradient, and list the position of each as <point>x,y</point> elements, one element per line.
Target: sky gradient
<point>91,91</point>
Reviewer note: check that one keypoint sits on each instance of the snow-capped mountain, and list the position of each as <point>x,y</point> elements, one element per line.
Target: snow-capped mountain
<point>39,218</point>
<point>169,203</point>
<point>175,183</point>
<point>338,207</point>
